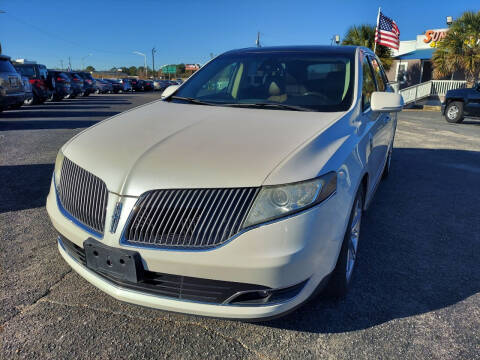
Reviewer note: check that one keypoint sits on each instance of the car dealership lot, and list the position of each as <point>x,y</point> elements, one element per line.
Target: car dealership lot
<point>415,292</point>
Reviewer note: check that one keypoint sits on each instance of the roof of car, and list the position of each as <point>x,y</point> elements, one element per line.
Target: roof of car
<point>325,49</point>
<point>4,57</point>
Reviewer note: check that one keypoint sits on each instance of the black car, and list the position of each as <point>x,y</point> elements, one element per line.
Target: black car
<point>460,103</point>
<point>116,86</point>
<point>37,76</point>
<point>76,85</point>
<point>103,86</point>
<point>148,85</point>
<point>88,83</point>
<point>59,84</point>
<point>137,84</point>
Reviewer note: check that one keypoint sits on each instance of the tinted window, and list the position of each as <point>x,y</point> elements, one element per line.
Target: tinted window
<point>377,70</point>
<point>368,85</point>
<point>43,71</point>
<point>27,71</point>
<point>6,66</point>
<point>316,81</point>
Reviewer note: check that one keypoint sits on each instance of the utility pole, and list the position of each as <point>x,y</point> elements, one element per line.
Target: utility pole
<point>258,40</point>
<point>145,57</point>
<point>1,12</point>
<point>153,62</point>
<point>61,64</point>
<point>69,64</point>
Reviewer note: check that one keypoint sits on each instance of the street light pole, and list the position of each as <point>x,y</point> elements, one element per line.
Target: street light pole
<point>153,62</point>
<point>145,58</point>
<point>1,12</point>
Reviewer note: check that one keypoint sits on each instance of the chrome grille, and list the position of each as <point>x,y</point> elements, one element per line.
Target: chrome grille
<point>83,195</point>
<point>190,218</point>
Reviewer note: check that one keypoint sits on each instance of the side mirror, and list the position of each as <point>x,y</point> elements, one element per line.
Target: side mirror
<point>169,91</point>
<point>386,102</point>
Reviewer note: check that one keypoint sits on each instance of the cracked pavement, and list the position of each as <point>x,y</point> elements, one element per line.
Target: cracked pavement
<point>415,293</point>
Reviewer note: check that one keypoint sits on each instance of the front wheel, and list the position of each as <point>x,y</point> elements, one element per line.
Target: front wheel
<point>342,274</point>
<point>454,112</point>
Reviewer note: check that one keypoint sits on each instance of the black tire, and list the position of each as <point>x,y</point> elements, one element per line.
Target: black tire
<point>28,101</point>
<point>341,278</point>
<point>97,91</point>
<point>36,100</point>
<point>16,106</point>
<point>454,112</point>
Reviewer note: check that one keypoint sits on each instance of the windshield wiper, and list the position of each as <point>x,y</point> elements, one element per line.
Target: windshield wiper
<point>274,105</point>
<point>191,100</point>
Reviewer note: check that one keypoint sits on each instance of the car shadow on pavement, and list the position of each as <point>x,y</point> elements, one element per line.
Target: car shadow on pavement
<point>471,122</point>
<point>62,106</point>
<point>45,124</point>
<point>56,114</point>
<point>24,186</point>
<point>419,247</point>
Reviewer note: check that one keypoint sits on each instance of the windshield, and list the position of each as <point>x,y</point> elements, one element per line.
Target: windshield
<point>312,81</point>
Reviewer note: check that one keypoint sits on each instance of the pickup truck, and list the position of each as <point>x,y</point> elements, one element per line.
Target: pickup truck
<point>460,103</point>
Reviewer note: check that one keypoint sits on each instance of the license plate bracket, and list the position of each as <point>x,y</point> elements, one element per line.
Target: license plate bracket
<point>121,264</point>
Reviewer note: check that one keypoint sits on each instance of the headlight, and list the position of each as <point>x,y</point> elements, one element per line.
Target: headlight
<point>58,168</point>
<point>273,202</point>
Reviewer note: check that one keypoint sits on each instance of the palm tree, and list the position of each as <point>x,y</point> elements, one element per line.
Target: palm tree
<point>460,49</point>
<point>364,35</point>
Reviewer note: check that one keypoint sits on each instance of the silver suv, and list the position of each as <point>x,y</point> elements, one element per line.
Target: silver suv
<point>11,85</point>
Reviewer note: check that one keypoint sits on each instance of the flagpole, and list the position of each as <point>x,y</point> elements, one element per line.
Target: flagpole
<point>376,31</point>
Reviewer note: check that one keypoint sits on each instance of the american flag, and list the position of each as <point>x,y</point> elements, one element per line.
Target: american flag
<point>387,32</point>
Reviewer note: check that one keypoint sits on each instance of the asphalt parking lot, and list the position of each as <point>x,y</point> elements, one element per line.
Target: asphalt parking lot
<point>416,291</point>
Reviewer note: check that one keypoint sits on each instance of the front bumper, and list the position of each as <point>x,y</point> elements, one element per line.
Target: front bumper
<point>276,255</point>
<point>11,99</point>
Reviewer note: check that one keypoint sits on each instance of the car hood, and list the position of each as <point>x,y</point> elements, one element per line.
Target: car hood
<point>170,145</point>
<point>458,92</point>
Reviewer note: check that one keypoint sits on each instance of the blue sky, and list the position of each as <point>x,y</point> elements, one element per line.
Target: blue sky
<point>188,31</point>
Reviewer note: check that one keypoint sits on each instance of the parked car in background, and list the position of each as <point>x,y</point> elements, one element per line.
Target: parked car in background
<point>88,83</point>
<point>161,84</point>
<point>126,86</point>
<point>148,85</point>
<point>27,87</point>
<point>59,84</point>
<point>137,84</point>
<point>12,93</point>
<point>37,76</point>
<point>76,85</point>
<point>116,86</point>
<point>250,224</point>
<point>103,86</point>
<point>460,103</point>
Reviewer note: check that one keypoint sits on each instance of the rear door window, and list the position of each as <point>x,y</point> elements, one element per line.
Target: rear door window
<point>6,66</point>
<point>43,72</point>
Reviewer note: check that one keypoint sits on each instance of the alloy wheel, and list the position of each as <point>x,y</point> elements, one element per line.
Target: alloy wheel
<point>453,112</point>
<point>353,238</point>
